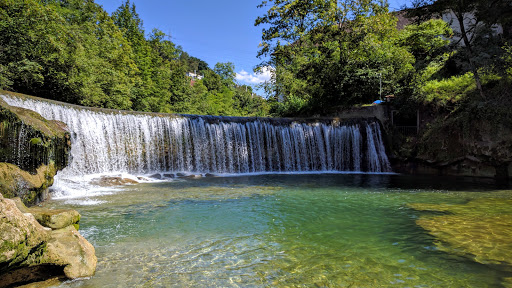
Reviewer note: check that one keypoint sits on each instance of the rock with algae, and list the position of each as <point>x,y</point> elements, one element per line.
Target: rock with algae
<point>51,218</point>
<point>30,252</point>
<point>106,181</point>
<point>32,150</point>
<point>30,187</point>
<point>480,229</point>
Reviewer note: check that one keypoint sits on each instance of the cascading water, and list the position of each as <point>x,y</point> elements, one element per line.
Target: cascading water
<point>106,141</point>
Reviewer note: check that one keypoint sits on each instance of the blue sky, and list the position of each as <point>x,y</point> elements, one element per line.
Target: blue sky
<point>214,31</point>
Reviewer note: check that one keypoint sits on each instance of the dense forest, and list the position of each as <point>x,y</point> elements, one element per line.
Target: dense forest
<point>325,55</point>
<point>74,51</point>
<point>336,53</point>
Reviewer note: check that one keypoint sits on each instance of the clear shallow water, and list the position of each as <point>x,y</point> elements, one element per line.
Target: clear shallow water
<point>277,231</point>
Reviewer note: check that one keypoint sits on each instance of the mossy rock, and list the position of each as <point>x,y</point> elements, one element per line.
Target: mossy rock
<point>479,230</point>
<point>23,239</point>
<point>27,248</point>
<point>51,218</point>
<point>28,140</point>
<point>32,150</point>
<point>30,187</point>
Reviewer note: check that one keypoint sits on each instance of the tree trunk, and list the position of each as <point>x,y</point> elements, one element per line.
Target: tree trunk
<point>460,18</point>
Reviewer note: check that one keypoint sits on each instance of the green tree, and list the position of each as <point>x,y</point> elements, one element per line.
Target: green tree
<point>329,53</point>
<point>73,51</point>
<point>226,71</point>
<point>212,80</point>
<point>475,19</point>
<point>65,50</point>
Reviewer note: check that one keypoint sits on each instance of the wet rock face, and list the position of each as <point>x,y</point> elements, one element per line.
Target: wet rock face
<point>32,150</point>
<point>484,151</point>
<point>32,252</point>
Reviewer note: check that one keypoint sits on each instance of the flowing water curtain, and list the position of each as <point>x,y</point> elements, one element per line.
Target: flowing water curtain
<point>113,141</point>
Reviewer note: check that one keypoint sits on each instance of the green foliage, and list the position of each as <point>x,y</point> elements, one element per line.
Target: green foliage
<point>292,106</point>
<point>212,80</point>
<point>73,51</point>
<point>507,59</point>
<point>451,90</point>
<point>193,64</point>
<point>226,71</point>
<point>327,54</point>
<point>426,40</point>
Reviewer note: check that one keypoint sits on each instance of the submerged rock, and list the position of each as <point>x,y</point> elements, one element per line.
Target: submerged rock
<point>479,230</point>
<point>106,181</point>
<point>31,252</point>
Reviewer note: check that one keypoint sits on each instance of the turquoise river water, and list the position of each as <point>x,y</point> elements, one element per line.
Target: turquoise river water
<point>324,230</point>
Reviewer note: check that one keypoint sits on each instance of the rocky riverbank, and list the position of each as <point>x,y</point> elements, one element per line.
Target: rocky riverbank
<point>38,244</point>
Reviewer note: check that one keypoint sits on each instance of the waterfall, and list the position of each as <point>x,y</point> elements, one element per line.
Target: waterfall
<point>105,141</point>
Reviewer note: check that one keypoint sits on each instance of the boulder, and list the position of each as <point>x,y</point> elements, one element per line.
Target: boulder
<point>31,252</point>
<point>156,176</point>
<point>23,240</point>
<point>51,218</point>
<point>68,248</point>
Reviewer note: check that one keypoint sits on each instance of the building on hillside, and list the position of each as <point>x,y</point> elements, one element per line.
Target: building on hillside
<point>194,75</point>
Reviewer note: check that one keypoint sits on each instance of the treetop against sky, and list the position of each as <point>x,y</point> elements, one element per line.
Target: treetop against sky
<point>214,31</point>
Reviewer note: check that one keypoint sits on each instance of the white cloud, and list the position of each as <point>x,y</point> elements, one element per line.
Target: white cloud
<point>255,78</point>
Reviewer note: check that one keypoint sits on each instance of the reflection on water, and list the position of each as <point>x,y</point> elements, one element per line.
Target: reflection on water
<point>280,231</point>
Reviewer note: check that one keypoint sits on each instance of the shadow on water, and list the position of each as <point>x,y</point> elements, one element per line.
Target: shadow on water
<point>368,181</point>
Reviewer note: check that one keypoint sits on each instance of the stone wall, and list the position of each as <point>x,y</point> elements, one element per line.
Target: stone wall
<point>382,112</point>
